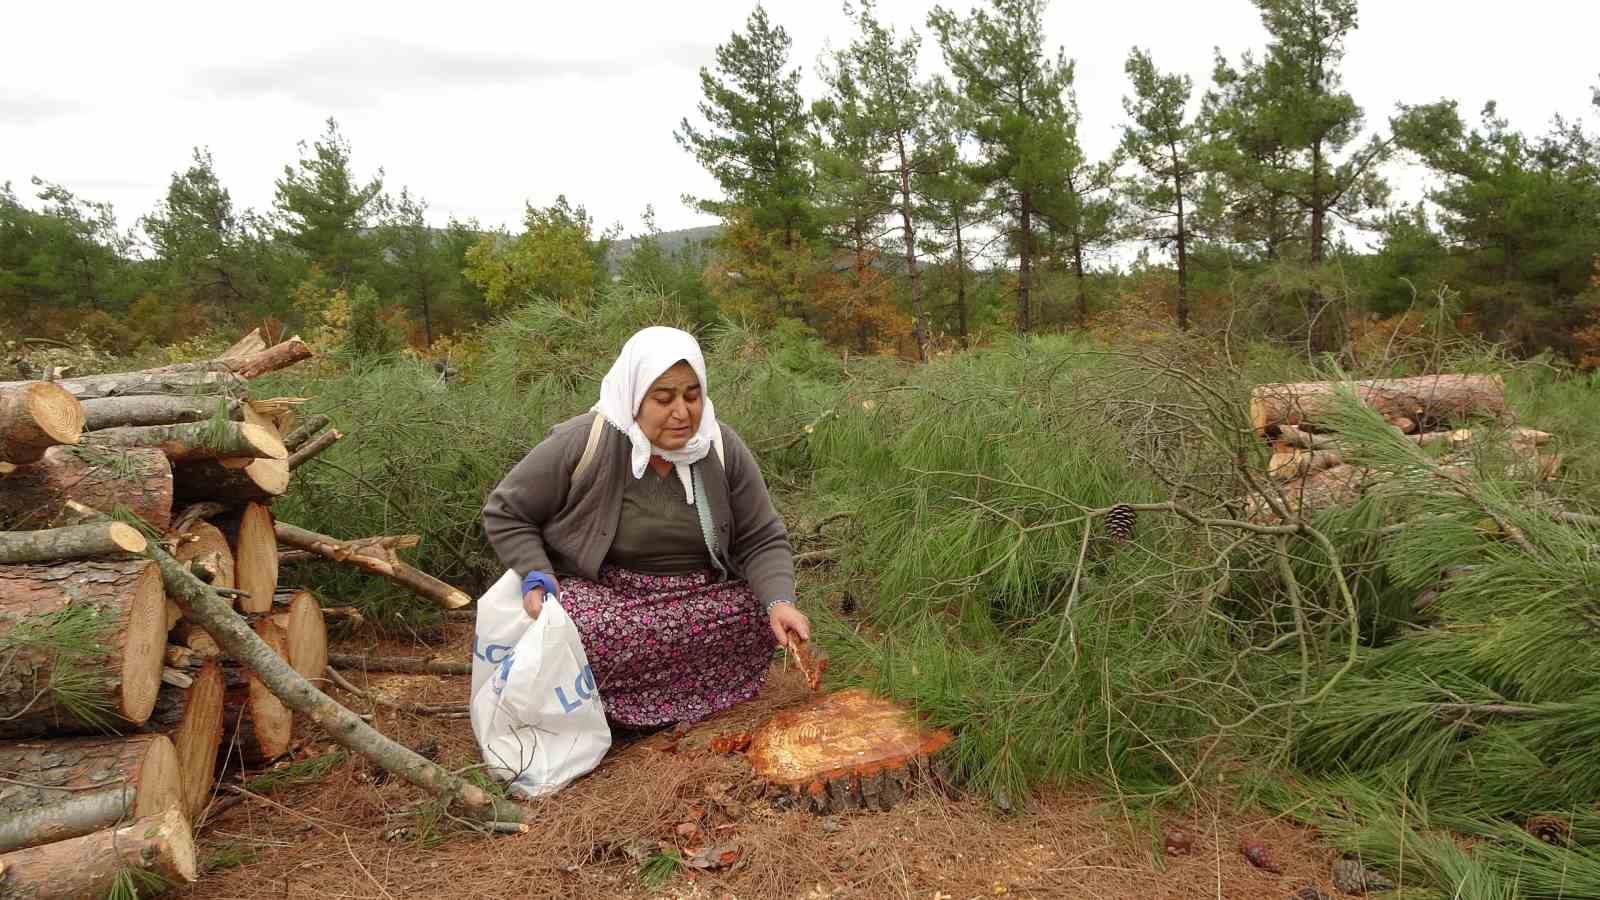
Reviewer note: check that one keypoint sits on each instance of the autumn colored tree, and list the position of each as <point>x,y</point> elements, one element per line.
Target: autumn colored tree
<point>556,257</point>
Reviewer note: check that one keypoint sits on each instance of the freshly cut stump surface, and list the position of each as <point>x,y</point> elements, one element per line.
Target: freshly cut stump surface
<point>847,750</point>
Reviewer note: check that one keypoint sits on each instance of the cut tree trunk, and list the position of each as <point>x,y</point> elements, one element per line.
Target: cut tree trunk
<point>207,547</point>
<point>35,495</point>
<point>388,541</point>
<point>192,718</point>
<point>35,417</point>
<point>120,412</point>
<point>248,345</point>
<point>116,612</point>
<point>70,542</point>
<point>124,384</point>
<point>311,448</point>
<point>1295,462</point>
<point>258,727</point>
<point>1426,401</point>
<point>87,867</point>
<point>62,789</point>
<point>255,555</point>
<point>219,479</point>
<point>301,696</point>
<point>848,750</point>
<point>1334,486</point>
<point>377,560</point>
<point>408,664</point>
<point>195,639</point>
<point>191,441</point>
<point>244,365</point>
<point>304,431</point>
<point>306,630</point>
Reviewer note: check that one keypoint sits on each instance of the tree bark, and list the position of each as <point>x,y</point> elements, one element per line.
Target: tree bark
<point>71,542</point>
<point>122,667</point>
<point>35,495</point>
<point>411,665</point>
<point>378,561</point>
<point>842,751</point>
<point>257,726</point>
<point>1183,247</point>
<point>1024,264</point>
<point>304,431</point>
<point>118,412</point>
<point>247,365</point>
<point>182,384</point>
<point>1428,400</point>
<point>67,788</point>
<point>301,696</point>
<point>86,868</point>
<point>908,234</point>
<point>961,284</point>
<point>35,417</point>
<point>1079,277</point>
<point>190,441</point>
<point>313,447</point>
<point>206,545</point>
<point>215,479</point>
<point>192,718</point>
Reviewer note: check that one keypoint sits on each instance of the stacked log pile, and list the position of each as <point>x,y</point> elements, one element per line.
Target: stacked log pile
<point>116,713</point>
<point>1308,470</point>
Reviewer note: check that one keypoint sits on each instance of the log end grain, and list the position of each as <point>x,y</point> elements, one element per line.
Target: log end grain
<point>35,417</point>
<point>89,866</point>
<point>198,736</point>
<point>255,558</point>
<point>144,647</point>
<point>846,744</point>
<point>307,634</point>
<point>204,541</point>
<point>263,441</point>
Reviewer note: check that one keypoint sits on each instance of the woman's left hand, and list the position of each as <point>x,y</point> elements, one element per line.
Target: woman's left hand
<point>786,619</point>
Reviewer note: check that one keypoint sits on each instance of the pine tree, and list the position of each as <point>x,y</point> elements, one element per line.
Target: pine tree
<point>325,211</point>
<point>208,253</point>
<point>754,144</point>
<point>1019,116</point>
<point>952,197</point>
<point>1082,212</point>
<point>1164,143</point>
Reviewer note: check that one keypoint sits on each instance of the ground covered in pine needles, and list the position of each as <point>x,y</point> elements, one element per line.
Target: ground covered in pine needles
<point>326,825</point>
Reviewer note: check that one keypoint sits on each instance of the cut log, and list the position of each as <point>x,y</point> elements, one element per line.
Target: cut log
<point>258,727</point>
<point>115,613</point>
<point>196,639</point>
<point>243,365</point>
<point>1299,437</point>
<point>205,545</point>
<point>192,718</point>
<point>387,541</point>
<point>35,417</point>
<point>300,695</point>
<point>306,632</point>
<point>216,479</point>
<point>304,431</point>
<point>1425,401</point>
<point>190,441</point>
<point>248,345</point>
<point>1319,490</point>
<point>1296,462</point>
<point>70,542</point>
<point>62,789</point>
<point>86,868</point>
<point>1528,437</point>
<point>251,533</point>
<point>123,384</point>
<point>412,665</point>
<point>377,560</point>
<point>848,750</point>
<point>311,448</point>
<point>119,412</point>
<point>139,481</point>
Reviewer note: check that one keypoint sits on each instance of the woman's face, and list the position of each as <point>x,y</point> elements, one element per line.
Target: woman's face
<point>670,413</point>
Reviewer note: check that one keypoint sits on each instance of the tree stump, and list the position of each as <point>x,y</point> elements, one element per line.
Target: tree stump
<point>192,718</point>
<point>36,495</point>
<point>843,751</point>
<point>86,868</point>
<point>67,788</point>
<point>35,417</point>
<point>111,614</point>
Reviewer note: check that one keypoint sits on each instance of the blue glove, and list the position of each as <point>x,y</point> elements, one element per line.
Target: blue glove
<point>539,579</point>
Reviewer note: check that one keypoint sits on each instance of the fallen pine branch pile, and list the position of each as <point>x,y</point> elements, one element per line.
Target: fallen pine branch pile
<point>119,698</point>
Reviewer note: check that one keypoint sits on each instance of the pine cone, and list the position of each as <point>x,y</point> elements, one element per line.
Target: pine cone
<point>1351,877</point>
<point>1120,521</point>
<point>1551,830</point>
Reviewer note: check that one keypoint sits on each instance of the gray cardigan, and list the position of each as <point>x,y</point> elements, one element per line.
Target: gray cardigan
<point>538,519</point>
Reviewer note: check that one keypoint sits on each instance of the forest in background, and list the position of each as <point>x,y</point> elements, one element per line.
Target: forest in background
<point>903,211</point>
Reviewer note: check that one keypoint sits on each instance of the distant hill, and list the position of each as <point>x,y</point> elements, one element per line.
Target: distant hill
<point>670,241</point>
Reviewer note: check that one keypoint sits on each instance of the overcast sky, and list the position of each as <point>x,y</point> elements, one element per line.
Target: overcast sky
<point>481,107</point>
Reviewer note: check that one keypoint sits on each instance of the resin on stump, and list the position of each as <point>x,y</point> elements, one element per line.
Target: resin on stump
<point>847,750</point>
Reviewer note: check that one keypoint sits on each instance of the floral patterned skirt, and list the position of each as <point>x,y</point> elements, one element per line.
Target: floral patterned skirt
<point>669,648</point>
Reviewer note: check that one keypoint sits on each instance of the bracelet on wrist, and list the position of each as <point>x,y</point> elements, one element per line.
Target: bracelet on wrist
<point>774,604</point>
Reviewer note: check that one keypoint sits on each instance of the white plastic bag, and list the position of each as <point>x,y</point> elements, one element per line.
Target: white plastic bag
<point>535,711</point>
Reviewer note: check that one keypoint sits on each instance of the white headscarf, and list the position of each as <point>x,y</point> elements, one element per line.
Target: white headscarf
<point>644,357</point>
